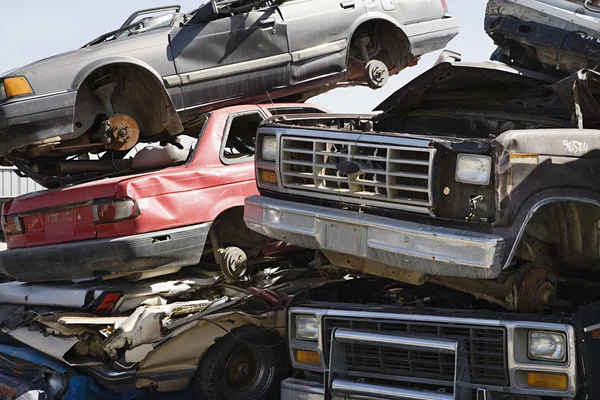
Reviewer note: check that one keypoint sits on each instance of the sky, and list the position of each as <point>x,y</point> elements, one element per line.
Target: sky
<point>34,29</point>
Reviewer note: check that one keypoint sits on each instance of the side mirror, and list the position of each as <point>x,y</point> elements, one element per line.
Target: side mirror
<point>207,12</point>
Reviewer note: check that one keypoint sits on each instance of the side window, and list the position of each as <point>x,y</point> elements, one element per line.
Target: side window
<point>239,138</point>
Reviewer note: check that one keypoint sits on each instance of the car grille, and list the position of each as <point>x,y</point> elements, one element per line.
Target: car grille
<point>400,176</point>
<point>485,346</point>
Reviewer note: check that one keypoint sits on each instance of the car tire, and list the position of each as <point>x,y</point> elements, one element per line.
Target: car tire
<point>248,363</point>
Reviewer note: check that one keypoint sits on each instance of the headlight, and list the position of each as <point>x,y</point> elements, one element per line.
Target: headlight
<point>16,86</point>
<point>2,92</point>
<point>269,148</point>
<point>474,169</point>
<point>550,346</point>
<point>307,327</point>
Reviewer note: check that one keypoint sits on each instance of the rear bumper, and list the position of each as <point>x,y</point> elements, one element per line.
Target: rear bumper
<point>89,258</point>
<point>429,249</point>
<point>428,36</point>
<point>29,120</point>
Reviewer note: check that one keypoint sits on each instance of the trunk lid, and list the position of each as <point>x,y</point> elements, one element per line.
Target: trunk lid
<point>59,215</point>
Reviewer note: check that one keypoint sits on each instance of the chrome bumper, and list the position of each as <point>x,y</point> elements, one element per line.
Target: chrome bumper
<point>296,389</point>
<point>429,249</point>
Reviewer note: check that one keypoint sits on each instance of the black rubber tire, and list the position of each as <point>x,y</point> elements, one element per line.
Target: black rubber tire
<point>269,354</point>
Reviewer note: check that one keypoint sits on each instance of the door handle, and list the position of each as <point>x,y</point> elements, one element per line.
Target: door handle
<point>267,21</point>
<point>347,4</point>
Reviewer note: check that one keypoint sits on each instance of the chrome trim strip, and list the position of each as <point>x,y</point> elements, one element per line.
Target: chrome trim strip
<point>363,389</point>
<point>591,328</point>
<point>319,50</point>
<point>39,96</point>
<point>441,346</point>
<point>172,80</point>
<point>237,68</point>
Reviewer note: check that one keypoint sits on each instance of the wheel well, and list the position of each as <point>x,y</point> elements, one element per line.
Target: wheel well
<point>138,93</point>
<point>563,232</point>
<point>391,46</point>
<point>231,230</point>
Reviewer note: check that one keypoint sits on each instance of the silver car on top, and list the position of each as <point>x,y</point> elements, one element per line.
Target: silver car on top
<point>156,74</point>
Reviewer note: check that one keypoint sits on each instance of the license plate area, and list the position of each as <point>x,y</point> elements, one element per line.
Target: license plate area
<point>340,237</point>
<point>60,223</point>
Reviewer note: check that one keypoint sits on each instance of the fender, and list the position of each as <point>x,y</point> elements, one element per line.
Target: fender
<point>95,65</point>
<point>233,201</point>
<point>533,205</point>
<point>371,17</point>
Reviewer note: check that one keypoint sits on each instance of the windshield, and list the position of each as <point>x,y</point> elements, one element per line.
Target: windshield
<point>148,24</point>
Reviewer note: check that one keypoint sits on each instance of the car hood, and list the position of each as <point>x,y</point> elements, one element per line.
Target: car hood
<point>455,76</point>
<point>65,71</point>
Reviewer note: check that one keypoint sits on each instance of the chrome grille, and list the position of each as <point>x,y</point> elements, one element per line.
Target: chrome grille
<point>401,176</point>
<point>486,352</point>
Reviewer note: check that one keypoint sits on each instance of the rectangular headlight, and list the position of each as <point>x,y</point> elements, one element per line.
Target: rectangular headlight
<point>307,327</point>
<point>474,169</point>
<point>269,148</point>
<point>547,346</point>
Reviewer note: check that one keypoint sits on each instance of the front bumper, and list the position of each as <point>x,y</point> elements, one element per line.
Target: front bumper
<point>296,389</point>
<point>88,258</point>
<point>429,249</point>
<point>31,119</point>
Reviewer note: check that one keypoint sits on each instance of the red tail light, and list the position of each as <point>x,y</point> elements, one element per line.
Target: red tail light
<point>11,224</point>
<point>105,303</point>
<point>445,6</point>
<point>114,210</point>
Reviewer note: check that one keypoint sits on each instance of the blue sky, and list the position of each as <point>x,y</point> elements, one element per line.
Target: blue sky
<point>34,29</point>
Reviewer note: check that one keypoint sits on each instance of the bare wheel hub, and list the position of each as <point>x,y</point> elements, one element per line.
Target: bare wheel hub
<point>233,263</point>
<point>537,291</point>
<point>120,132</point>
<point>377,74</point>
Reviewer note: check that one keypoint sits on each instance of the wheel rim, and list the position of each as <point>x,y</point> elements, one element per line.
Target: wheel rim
<point>244,372</point>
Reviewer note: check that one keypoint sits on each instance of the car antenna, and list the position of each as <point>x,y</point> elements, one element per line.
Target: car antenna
<point>273,104</point>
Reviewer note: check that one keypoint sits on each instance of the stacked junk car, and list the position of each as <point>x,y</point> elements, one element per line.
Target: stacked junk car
<point>133,274</point>
<point>205,232</point>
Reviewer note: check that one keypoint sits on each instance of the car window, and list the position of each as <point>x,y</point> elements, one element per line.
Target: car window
<point>239,138</point>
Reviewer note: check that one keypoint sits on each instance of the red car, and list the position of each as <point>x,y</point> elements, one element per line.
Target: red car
<point>158,210</point>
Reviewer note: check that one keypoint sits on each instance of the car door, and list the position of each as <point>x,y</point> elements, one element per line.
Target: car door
<point>232,56</point>
<point>318,34</point>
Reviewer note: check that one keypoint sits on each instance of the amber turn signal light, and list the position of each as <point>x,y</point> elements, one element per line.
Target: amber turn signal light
<point>547,381</point>
<point>16,86</point>
<point>268,176</point>
<point>308,357</point>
